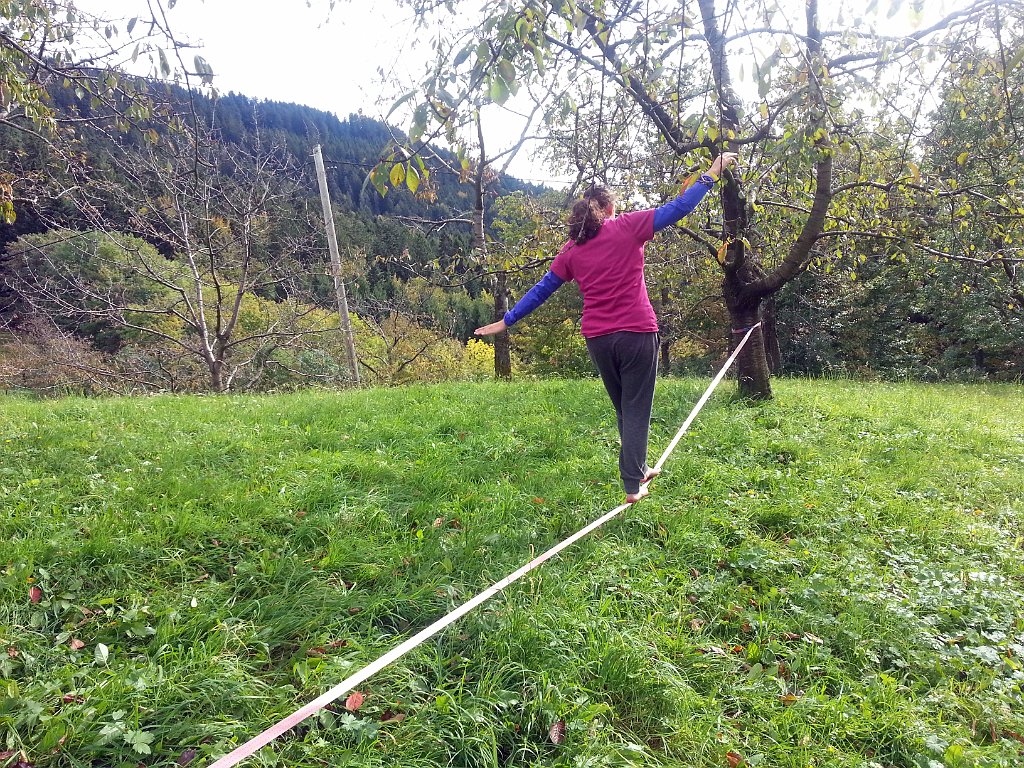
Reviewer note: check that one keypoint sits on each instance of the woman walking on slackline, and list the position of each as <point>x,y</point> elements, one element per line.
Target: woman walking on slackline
<point>605,256</point>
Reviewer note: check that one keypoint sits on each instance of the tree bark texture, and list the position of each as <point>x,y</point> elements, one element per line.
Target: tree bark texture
<point>771,336</point>
<point>502,347</point>
<point>752,364</point>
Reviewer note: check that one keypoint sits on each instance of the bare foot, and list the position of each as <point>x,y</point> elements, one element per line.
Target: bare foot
<point>633,498</point>
<point>651,474</point>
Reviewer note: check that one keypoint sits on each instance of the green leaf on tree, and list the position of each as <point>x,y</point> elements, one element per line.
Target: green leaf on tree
<point>203,69</point>
<point>379,178</point>
<point>483,54</point>
<point>1014,60</point>
<point>399,102</point>
<point>507,71</point>
<point>419,123</point>
<point>523,28</point>
<point>499,91</point>
<point>461,56</point>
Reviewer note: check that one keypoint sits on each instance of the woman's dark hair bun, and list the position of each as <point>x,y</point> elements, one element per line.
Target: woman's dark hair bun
<point>588,214</point>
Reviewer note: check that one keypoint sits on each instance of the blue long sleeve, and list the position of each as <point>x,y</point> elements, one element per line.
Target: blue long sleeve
<point>672,211</point>
<point>534,297</point>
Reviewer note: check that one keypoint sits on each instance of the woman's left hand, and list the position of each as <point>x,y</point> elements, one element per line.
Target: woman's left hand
<point>722,162</point>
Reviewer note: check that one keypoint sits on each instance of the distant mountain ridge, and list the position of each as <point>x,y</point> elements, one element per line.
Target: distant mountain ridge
<point>351,147</point>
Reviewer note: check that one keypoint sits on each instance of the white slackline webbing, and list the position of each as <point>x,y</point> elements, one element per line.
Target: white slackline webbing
<point>271,733</point>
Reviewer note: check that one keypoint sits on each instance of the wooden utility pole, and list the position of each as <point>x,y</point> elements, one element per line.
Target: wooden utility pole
<point>332,243</point>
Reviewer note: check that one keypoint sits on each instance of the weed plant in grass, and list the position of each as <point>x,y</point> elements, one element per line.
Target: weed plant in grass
<point>830,579</point>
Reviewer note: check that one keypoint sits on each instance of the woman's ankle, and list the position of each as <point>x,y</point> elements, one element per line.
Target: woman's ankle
<point>632,498</point>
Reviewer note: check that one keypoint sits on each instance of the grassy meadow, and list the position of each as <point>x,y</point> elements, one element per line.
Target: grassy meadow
<point>832,579</point>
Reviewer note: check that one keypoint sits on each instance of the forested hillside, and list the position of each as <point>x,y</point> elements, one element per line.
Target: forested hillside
<point>351,147</point>
<point>406,257</point>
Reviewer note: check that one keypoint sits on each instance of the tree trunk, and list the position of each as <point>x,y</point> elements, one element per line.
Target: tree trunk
<point>979,360</point>
<point>666,330</point>
<point>502,348</point>
<point>216,368</point>
<point>742,265</point>
<point>752,364</point>
<point>771,336</point>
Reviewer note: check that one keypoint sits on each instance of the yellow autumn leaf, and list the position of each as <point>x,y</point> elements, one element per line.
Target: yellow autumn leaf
<point>688,181</point>
<point>397,174</point>
<point>721,252</point>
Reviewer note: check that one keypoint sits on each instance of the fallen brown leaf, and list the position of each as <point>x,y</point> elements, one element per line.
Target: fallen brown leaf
<point>557,732</point>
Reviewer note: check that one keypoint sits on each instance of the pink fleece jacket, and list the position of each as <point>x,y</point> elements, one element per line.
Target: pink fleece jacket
<point>610,273</point>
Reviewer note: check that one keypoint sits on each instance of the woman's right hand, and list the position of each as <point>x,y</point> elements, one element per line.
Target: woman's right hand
<point>722,162</point>
<point>490,330</point>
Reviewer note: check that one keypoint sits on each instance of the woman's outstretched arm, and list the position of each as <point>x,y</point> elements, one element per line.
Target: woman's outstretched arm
<point>533,298</point>
<point>674,210</point>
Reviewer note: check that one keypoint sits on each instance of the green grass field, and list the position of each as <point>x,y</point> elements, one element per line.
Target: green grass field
<point>835,578</point>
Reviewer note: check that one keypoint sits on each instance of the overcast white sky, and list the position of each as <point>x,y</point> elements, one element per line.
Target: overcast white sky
<point>331,60</point>
<point>291,50</point>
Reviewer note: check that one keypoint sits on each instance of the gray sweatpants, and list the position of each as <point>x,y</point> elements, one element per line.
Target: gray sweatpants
<point>628,364</point>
